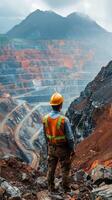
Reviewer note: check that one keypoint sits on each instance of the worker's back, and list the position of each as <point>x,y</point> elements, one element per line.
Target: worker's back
<point>54,127</point>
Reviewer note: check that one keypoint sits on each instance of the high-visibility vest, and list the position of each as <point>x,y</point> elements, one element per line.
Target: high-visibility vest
<point>54,129</point>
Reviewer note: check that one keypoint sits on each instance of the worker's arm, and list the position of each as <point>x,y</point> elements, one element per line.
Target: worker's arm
<point>69,135</point>
<point>44,133</point>
<point>46,141</point>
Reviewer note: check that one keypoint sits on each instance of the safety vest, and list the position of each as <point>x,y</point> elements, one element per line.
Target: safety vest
<point>54,129</point>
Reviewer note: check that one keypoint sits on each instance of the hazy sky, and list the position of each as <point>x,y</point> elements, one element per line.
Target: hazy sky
<point>13,11</point>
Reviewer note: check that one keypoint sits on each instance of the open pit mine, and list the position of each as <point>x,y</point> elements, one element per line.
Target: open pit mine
<point>29,73</point>
<point>22,139</point>
<point>27,79</point>
<point>34,63</point>
<point>33,71</point>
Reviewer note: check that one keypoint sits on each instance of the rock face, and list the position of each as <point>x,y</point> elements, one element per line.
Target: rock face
<point>104,192</point>
<point>12,192</point>
<point>91,114</point>
<point>84,112</point>
<point>102,174</point>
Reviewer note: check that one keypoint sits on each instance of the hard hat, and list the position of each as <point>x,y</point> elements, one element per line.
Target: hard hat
<point>56,99</point>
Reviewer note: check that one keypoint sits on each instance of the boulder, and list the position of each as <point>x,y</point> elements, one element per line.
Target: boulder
<point>102,174</point>
<point>10,191</point>
<point>104,192</point>
<point>81,176</point>
<point>41,182</point>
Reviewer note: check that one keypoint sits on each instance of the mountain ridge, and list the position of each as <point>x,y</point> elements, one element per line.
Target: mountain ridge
<point>50,25</point>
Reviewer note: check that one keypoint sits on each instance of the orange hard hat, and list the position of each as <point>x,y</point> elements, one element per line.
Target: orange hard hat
<point>56,99</point>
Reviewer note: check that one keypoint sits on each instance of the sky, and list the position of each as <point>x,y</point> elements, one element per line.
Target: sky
<point>13,12</point>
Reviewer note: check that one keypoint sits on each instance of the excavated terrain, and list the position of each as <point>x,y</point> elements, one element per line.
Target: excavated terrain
<point>91,115</point>
<point>32,71</point>
<point>97,148</point>
<point>91,173</point>
<point>21,132</point>
<point>20,175</point>
<point>24,79</point>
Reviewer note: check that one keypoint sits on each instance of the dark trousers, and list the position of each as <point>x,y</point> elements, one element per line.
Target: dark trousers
<point>58,153</point>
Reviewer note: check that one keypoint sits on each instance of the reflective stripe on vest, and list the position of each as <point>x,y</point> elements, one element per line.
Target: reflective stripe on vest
<point>55,137</point>
<point>59,122</point>
<point>45,120</point>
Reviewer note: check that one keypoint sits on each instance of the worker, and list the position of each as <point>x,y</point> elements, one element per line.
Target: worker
<point>60,142</point>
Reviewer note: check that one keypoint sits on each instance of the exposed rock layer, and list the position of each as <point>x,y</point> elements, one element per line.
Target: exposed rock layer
<point>91,114</point>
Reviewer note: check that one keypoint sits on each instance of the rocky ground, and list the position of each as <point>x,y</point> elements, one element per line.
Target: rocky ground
<point>19,182</point>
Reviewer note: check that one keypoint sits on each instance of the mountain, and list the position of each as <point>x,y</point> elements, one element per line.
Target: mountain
<point>40,25</point>
<point>83,25</point>
<point>49,25</point>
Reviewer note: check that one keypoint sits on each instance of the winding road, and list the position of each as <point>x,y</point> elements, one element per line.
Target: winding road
<point>35,155</point>
<point>8,116</point>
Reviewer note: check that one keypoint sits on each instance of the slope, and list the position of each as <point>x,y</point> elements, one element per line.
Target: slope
<point>91,117</point>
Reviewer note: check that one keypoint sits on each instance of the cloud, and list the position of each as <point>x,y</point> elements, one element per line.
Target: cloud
<point>60,3</point>
<point>100,11</point>
<point>11,8</point>
<point>19,8</point>
<point>13,11</point>
<point>7,23</point>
